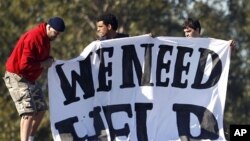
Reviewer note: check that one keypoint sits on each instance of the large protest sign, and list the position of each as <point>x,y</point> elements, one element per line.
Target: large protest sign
<point>141,89</point>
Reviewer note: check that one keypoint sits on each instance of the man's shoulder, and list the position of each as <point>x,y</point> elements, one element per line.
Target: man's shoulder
<point>121,35</point>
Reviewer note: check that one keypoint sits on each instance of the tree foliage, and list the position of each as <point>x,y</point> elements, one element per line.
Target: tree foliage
<point>223,19</point>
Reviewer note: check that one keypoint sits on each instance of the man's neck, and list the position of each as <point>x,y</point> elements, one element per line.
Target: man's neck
<point>112,35</point>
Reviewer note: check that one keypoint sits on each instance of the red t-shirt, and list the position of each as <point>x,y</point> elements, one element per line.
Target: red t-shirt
<point>32,48</point>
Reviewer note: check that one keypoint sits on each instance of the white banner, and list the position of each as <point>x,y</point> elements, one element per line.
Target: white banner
<point>141,89</point>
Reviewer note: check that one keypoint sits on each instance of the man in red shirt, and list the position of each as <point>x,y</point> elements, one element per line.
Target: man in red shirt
<point>29,58</point>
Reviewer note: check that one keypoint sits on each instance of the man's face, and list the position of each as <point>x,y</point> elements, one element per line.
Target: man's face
<point>102,29</point>
<point>190,32</point>
<point>52,33</point>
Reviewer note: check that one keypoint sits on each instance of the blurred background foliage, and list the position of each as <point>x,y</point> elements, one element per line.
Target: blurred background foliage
<point>223,19</point>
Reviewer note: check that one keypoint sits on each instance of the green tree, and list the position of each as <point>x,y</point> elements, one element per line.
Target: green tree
<point>237,106</point>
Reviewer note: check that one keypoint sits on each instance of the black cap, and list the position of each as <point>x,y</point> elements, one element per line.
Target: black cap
<point>57,23</point>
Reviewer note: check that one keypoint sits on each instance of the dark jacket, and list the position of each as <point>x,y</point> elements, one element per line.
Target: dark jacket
<point>118,35</point>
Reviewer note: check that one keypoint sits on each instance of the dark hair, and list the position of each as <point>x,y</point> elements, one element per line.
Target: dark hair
<point>189,22</point>
<point>109,19</point>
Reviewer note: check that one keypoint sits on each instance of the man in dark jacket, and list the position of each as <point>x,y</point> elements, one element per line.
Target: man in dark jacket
<point>192,28</point>
<point>29,58</point>
<point>106,25</point>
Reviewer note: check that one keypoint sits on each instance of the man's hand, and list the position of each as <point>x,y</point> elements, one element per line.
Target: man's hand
<point>47,63</point>
<point>233,46</point>
<point>152,35</point>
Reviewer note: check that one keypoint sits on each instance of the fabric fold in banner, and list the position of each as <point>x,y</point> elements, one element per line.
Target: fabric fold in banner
<point>141,89</point>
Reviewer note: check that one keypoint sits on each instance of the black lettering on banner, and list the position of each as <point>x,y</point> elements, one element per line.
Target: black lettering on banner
<point>161,65</point>
<point>141,118</point>
<point>179,67</point>
<point>85,80</point>
<point>102,69</point>
<point>112,109</point>
<point>129,58</point>
<point>215,73</point>
<point>65,127</point>
<point>209,126</point>
<point>98,123</point>
<point>69,91</point>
